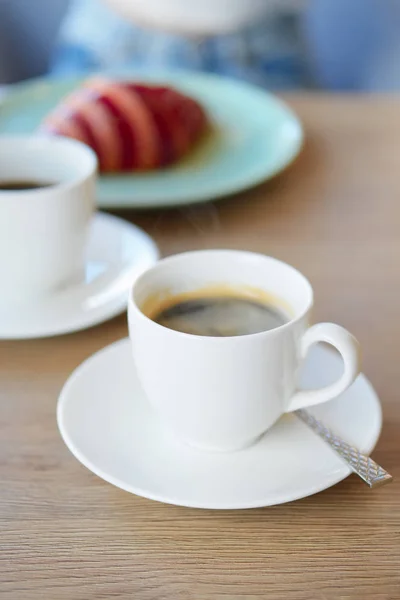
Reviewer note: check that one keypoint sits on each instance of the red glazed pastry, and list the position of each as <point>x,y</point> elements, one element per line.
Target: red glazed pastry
<point>130,126</point>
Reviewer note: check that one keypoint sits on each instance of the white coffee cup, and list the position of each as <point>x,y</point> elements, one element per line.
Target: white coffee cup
<point>222,393</point>
<point>43,230</point>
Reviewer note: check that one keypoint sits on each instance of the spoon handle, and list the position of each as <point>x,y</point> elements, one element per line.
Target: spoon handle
<point>362,465</point>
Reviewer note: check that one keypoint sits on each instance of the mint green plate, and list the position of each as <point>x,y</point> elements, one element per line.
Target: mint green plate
<point>255,137</point>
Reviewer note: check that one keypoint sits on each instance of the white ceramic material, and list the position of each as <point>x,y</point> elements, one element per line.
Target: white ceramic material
<point>43,231</point>
<point>222,393</point>
<point>117,252</point>
<point>107,423</point>
<point>194,18</point>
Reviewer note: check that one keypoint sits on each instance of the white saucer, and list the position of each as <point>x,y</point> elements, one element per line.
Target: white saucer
<point>107,423</point>
<point>117,252</point>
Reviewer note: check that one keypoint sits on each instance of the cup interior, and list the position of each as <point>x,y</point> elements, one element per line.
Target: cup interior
<point>216,270</point>
<point>57,160</point>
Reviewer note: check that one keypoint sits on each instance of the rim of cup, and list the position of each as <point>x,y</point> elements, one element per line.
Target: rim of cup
<point>133,305</point>
<point>85,156</point>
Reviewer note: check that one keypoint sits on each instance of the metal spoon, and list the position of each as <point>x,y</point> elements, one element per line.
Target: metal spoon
<point>366,468</point>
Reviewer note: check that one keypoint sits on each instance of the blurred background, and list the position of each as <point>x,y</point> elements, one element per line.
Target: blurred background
<point>347,45</point>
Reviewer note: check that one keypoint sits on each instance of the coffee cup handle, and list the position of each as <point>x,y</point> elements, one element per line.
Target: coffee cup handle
<point>347,346</point>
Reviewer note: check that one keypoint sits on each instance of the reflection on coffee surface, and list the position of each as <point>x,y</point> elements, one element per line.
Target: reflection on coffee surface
<point>223,316</point>
<point>17,186</point>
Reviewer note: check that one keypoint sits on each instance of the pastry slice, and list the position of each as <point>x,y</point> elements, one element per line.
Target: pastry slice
<point>130,126</point>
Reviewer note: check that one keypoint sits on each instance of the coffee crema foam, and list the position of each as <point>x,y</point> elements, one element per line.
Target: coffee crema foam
<point>218,311</point>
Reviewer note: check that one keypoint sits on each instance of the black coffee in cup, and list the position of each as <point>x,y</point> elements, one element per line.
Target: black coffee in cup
<point>220,316</point>
<point>17,186</point>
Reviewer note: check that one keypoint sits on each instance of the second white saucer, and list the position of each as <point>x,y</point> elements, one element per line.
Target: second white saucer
<point>107,423</point>
<point>117,252</point>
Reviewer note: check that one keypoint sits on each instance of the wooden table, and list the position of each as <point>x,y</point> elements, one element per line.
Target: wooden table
<point>65,534</point>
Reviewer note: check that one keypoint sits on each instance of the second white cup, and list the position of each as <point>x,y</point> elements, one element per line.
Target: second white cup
<point>43,230</point>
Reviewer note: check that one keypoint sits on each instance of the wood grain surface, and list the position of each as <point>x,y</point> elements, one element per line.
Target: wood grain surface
<point>66,534</point>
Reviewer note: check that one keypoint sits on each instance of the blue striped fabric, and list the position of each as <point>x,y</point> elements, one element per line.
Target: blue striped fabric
<point>94,38</point>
